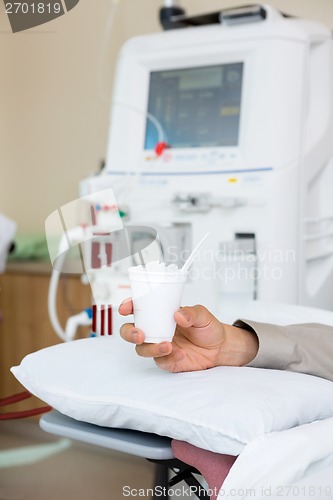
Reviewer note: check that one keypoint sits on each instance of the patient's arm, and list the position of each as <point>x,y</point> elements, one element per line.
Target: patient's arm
<point>304,348</point>
<point>201,341</point>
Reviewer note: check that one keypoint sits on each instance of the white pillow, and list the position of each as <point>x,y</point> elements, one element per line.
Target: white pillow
<point>104,382</point>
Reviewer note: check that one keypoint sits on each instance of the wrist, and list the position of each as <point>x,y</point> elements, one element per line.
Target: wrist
<point>239,348</point>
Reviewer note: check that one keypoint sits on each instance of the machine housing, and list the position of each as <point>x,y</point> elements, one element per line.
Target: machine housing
<point>262,188</point>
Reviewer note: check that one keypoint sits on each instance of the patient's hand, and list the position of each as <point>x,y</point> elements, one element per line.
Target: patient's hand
<point>201,341</point>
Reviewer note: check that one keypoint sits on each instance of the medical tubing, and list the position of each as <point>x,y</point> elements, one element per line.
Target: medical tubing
<point>81,319</point>
<point>161,133</point>
<point>15,398</point>
<point>103,51</point>
<point>171,3</point>
<point>52,298</point>
<point>132,179</point>
<point>26,413</point>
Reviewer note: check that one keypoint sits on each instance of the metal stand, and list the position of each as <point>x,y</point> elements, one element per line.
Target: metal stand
<point>183,472</point>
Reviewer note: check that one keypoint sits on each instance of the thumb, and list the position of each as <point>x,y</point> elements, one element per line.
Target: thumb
<point>197,316</point>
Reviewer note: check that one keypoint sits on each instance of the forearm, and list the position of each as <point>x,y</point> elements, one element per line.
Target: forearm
<point>305,348</point>
<point>239,348</point>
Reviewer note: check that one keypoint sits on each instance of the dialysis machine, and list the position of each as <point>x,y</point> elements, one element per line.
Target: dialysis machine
<point>227,128</point>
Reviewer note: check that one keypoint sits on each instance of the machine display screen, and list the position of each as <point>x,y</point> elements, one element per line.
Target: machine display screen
<point>195,107</point>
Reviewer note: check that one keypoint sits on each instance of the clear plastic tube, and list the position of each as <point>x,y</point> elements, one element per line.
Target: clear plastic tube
<point>52,299</point>
<point>104,46</point>
<point>124,187</point>
<point>171,3</point>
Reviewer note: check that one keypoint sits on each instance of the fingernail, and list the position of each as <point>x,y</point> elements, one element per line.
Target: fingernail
<point>163,348</point>
<point>185,314</point>
<point>135,334</point>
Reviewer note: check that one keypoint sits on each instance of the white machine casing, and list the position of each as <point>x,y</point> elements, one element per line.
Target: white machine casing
<point>274,188</point>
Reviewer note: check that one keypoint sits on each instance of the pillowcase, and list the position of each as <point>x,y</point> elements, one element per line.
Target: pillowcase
<point>103,381</point>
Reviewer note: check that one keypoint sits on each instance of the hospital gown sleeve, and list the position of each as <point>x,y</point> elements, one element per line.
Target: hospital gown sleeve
<point>306,348</point>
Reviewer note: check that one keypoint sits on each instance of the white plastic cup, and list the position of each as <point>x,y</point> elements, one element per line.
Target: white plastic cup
<point>156,297</point>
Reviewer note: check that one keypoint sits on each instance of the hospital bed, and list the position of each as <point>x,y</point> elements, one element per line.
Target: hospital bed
<point>158,449</point>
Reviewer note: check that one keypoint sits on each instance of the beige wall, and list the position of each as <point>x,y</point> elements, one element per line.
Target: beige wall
<point>55,92</point>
